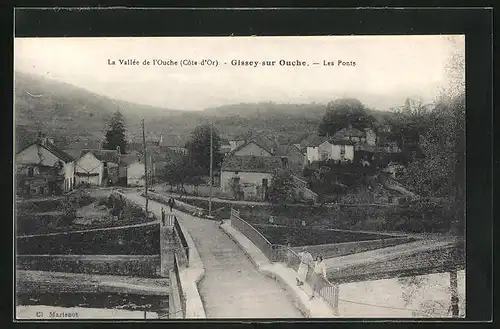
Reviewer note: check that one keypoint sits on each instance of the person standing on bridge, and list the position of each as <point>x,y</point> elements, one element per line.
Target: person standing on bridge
<point>162,216</point>
<point>318,276</point>
<point>305,261</point>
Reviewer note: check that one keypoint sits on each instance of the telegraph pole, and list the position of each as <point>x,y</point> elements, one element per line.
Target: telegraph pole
<point>211,170</point>
<point>145,167</point>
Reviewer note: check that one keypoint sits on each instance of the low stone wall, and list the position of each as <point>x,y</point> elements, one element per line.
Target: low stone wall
<point>182,206</point>
<point>190,277</point>
<point>174,301</point>
<point>142,266</point>
<point>347,248</point>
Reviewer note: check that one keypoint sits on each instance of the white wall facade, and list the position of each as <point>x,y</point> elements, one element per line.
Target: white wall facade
<point>371,137</point>
<point>312,154</point>
<point>246,178</point>
<point>135,174</point>
<point>89,164</point>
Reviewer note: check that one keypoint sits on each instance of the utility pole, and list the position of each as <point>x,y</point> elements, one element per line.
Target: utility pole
<point>211,170</point>
<point>145,167</point>
<point>452,258</point>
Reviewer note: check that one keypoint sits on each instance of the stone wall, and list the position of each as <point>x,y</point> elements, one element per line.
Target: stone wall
<point>142,266</point>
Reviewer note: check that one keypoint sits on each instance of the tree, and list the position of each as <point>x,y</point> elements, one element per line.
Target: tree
<point>282,189</point>
<point>199,149</point>
<point>344,112</point>
<point>115,135</point>
<point>410,120</point>
<point>180,171</point>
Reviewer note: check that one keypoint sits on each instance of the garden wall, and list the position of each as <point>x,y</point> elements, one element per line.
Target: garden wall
<point>142,266</point>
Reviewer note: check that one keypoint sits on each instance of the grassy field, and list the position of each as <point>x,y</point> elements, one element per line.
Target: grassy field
<point>347,217</point>
<point>143,240</point>
<point>304,236</point>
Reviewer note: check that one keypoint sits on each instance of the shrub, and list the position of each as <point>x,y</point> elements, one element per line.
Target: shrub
<point>81,198</point>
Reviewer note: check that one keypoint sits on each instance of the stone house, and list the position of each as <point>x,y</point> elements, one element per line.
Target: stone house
<point>44,169</point>
<point>249,176</point>
<point>98,167</point>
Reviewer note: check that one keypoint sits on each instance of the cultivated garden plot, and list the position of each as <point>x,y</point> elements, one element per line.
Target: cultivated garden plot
<point>81,210</point>
<point>395,218</point>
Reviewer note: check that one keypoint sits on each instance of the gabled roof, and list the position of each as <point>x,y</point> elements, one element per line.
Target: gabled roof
<point>65,157</point>
<point>103,155</point>
<point>335,141</point>
<point>250,163</point>
<point>312,141</point>
<point>349,132</point>
<point>268,150</point>
<point>267,144</point>
<point>60,154</point>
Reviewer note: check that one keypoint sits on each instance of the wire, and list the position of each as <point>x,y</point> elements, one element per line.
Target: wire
<point>389,307</point>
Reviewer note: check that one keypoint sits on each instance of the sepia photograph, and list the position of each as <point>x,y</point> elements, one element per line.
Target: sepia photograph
<point>161,178</point>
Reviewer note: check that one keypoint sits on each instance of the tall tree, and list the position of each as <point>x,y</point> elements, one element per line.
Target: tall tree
<point>282,189</point>
<point>199,149</point>
<point>115,135</point>
<point>342,113</point>
<point>180,171</point>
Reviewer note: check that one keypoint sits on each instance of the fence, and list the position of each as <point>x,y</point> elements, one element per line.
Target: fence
<point>180,290</point>
<point>285,254</point>
<point>251,233</point>
<point>184,245</point>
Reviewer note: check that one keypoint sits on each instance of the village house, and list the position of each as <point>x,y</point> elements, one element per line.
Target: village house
<point>263,146</point>
<point>44,169</point>
<point>136,172</point>
<point>248,176</point>
<point>338,150</point>
<point>98,167</point>
<point>355,135</point>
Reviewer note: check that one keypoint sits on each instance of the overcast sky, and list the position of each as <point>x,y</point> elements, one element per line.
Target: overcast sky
<point>387,68</point>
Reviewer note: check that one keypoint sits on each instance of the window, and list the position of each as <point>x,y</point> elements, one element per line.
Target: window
<point>31,172</point>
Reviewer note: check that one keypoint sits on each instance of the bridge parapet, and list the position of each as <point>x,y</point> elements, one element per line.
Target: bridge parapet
<point>283,254</point>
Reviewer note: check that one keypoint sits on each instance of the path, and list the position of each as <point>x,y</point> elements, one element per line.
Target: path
<point>232,286</point>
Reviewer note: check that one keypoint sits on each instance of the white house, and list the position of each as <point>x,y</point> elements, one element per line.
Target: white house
<point>249,175</point>
<point>312,153</point>
<point>44,169</point>
<point>339,150</point>
<point>94,166</point>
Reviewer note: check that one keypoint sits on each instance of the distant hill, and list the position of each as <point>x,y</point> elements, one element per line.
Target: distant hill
<point>71,114</point>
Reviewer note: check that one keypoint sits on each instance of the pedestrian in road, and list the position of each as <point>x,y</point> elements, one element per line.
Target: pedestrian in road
<point>163,216</point>
<point>171,203</point>
<point>318,275</point>
<point>305,260</point>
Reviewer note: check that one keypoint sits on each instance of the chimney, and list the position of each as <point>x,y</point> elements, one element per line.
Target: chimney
<point>161,140</point>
